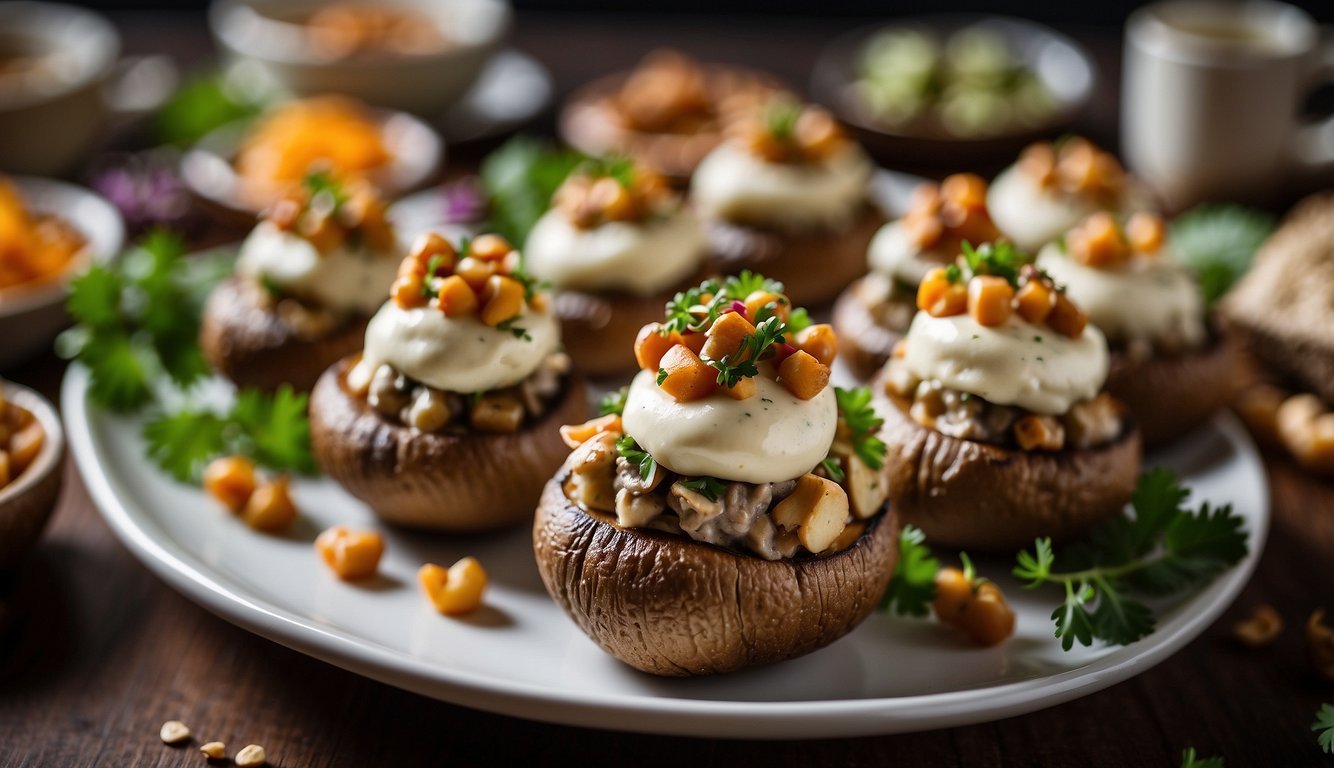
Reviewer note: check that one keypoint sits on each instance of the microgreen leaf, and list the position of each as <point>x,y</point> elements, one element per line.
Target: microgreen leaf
<point>710,488</point>
<point>1324,724</point>
<point>857,413</point>
<point>1189,760</point>
<point>912,588</point>
<point>833,469</point>
<point>631,452</point>
<point>613,402</point>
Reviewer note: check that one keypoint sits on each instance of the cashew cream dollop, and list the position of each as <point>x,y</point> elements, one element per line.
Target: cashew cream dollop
<point>769,437</point>
<point>1031,216</point>
<point>643,258</point>
<point>1018,363</point>
<point>351,280</point>
<point>894,254</point>
<point>458,354</point>
<point>733,184</point>
<point>1144,299</point>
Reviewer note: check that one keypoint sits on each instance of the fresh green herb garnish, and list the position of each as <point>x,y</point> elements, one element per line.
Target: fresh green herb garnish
<point>324,192</point>
<point>798,320</point>
<point>833,468</point>
<point>688,311</point>
<point>1000,258</point>
<point>613,402</point>
<point>744,362</point>
<point>138,319</point>
<point>662,376</point>
<point>517,331</point>
<point>1189,760</point>
<point>626,446</point>
<point>913,585</point>
<point>271,429</point>
<point>520,178</point>
<point>780,117</point>
<point>710,488</point>
<point>854,408</point>
<point>1219,242</point>
<point>1324,725</point>
<point>1162,549</point>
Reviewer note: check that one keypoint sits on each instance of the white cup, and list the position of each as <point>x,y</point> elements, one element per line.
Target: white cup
<point>1212,96</point>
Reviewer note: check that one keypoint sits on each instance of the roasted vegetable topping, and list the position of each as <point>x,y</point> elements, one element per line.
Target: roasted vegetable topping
<point>1074,167</point>
<point>599,192</point>
<point>785,131</point>
<point>945,216</point>
<point>330,214</point>
<point>484,277</point>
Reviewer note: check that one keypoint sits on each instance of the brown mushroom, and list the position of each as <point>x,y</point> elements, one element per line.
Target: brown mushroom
<point>983,497</point>
<point>599,329</point>
<point>813,267</point>
<point>1171,394</point>
<point>866,340</point>
<point>670,605</point>
<point>458,483</point>
<point>250,341</point>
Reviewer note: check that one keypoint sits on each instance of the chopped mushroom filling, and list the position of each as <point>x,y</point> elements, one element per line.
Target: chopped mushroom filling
<point>1088,423</point>
<point>397,397</point>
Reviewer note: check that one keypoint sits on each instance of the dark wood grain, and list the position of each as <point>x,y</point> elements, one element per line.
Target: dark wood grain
<point>95,652</point>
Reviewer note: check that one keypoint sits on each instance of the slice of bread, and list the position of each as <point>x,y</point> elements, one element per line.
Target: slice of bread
<point>1283,309</point>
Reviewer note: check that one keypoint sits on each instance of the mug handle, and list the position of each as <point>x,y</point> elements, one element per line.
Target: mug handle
<point>1314,143</point>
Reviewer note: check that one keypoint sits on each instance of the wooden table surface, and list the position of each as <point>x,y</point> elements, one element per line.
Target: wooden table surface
<point>97,652</point>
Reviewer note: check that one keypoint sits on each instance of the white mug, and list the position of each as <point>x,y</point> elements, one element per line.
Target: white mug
<point>1212,95</point>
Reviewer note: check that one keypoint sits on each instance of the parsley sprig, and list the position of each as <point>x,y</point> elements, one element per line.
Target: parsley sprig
<point>710,488</point>
<point>613,402</point>
<point>1324,726</point>
<point>271,429</point>
<point>1164,548</point>
<point>1189,760</point>
<point>1000,258</point>
<point>520,178</point>
<point>694,309</point>
<point>856,412</point>
<point>630,450</point>
<point>137,319</point>
<point>912,588</point>
<point>744,362</point>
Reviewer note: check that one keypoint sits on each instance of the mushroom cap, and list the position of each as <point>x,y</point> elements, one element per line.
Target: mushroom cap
<point>863,342</point>
<point>599,329</point>
<point>981,497</point>
<point>814,267</point>
<point>254,346</point>
<point>457,483</point>
<point>1170,395</point>
<point>669,605</point>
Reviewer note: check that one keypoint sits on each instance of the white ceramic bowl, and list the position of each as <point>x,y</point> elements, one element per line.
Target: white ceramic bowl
<point>265,34</point>
<point>32,315</point>
<point>49,123</point>
<point>26,503</point>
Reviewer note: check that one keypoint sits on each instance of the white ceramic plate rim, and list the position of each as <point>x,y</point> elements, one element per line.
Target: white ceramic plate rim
<point>791,719</point>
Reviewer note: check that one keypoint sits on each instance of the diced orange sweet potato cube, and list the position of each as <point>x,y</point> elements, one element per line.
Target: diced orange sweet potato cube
<point>688,378</point>
<point>230,480</point>
<point>489,248</point>
<point>745,388</point>
<point>476,272</point>
<point>1098,242</point>
<point>965,190</point>
<point>407,291</point>
<point>726,336</point>
<point>694,341</point>
<point>989,300</point>
<point>819,341</point>
<point>756,301</point>
<point>651,345</point>
<point>1146,232</point>
<point>456,298</point>
<point>924,229</point>
<point>428,246</point>
<point>803,375</point>
<point>1035,301</point>
<point>501,299</point>
<point>1066,318</point>
<point>939,297</point>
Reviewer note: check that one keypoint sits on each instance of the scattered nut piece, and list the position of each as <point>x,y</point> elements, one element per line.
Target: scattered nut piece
<point>230,480</point>
<point>270,507</point>
<point>351,554</point>
<point>174,732</point>
<point>1261,628</point>
<point>456,591</point>
<point>1320,644</point>
<point>251,756</point>
<point>1306,427</point>
<point>214,750</point>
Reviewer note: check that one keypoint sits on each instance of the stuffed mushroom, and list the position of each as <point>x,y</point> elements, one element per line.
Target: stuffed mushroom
<point>1170,366</point>
<point>733,512</point>
<point>789,195</point>
<point>306,280</point>
<point>448,418</point>
<point>874,312</point>
<point>616,245</point>
<point>997,428</point>
<point>1054,186</point>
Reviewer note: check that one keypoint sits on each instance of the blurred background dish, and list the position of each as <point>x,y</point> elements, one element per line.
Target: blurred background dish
<point>948,91</point>
<point>414,55</point>
<point>512,90</point>
<point>28,496</point>
<point>243,167</point>
<point>54,61</point>
<point>49,216</point>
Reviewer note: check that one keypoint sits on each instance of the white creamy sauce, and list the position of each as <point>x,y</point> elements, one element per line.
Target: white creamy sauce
<point>733,184</point>
<point>1018,363</point>
<point>1031,216</point>
<point>642,258</point>
<point>894,254</point>
<point>348,280</point>
<point>458,354</point>
<point>1146,299</point>
<point>768,437</point>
